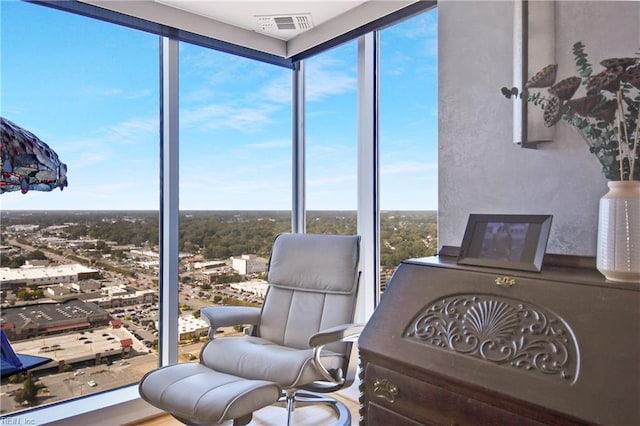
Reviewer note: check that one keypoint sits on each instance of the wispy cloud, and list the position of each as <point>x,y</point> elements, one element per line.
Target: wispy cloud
<point>132,130</point>
<point>106,143</point>
<point>270,144</point>
<point>218,95</point>
<point>112,92</point>
<point>403,167</point>
<point>219,116</point>
<point>327,76</point>
<point>316,149</point>
<point>8,111</point>
<point>215,75</point>
<point>277,89</point>
<point>224,91</point>
<point>214,67</point>
<point>332,180</point>
<point>422,33</point>
<point>424,25</point>
<point>196,96</point>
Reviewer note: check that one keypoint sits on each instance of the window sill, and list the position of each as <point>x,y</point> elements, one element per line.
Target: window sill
<point>121,406</point>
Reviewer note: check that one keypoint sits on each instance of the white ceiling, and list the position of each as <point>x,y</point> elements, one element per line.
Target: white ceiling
<point>242,13</point>
<point>235,21</point>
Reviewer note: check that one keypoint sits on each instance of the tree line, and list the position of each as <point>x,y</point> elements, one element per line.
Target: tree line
<point>222,234</point>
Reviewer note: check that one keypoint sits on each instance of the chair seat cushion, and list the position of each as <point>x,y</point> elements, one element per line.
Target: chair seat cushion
<point>258,358</point>
<point>203,396</point>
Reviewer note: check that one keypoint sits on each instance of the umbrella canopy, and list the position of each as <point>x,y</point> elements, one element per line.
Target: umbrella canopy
<point>27,162</point>
<point>12,363</point>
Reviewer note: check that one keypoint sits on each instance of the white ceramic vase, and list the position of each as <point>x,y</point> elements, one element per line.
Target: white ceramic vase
<point>618,252</point>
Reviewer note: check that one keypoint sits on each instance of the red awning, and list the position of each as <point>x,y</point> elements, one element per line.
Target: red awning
<point>7,326</point>
<point>68,326</point>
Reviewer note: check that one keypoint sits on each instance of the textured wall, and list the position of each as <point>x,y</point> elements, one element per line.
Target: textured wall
<point>480,169</point>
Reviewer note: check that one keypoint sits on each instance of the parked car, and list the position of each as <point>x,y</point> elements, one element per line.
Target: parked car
<point>92,383</point>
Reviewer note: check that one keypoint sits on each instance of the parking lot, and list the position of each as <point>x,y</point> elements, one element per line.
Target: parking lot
<point>80,346</point>
<point>75,383</point>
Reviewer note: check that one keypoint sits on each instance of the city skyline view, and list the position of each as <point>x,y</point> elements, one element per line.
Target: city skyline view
<point>90,90</point>
<point>88,263</point>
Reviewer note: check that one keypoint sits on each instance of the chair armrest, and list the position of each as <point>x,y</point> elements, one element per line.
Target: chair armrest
<point>226,316</point>
<point>340,333</point>
<point>336,334</point>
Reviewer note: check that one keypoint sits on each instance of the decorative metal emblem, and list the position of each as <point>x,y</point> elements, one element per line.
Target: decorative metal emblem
<point>383,388</point>
<point>503,331</point>
<point>505,281</point>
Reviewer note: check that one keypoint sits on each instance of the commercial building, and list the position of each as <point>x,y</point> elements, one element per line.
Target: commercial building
<point>249,264</point>
<point>27,322</point>
<point>34,276</point>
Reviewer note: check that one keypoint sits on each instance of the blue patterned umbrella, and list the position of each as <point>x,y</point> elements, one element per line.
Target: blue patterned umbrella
<point>27,162</point>
<point>12,363</point>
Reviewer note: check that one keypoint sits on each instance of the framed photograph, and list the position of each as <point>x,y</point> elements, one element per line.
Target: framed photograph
<point>505,241</point>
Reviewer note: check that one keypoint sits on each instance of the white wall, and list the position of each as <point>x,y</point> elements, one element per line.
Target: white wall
<point>480,169</point>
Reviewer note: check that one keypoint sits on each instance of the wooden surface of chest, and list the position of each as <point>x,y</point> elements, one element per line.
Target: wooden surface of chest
<point>456,345</point>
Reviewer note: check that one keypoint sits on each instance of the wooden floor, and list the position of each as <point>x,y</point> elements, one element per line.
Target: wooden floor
<point>275,416</point>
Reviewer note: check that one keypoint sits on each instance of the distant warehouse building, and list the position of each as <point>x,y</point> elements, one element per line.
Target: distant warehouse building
<point>27,322</point>
<point>256,288</point>
<point>249,264</point>
<point>189,326</point>
<point>34,276</point>
<point>125,298</point>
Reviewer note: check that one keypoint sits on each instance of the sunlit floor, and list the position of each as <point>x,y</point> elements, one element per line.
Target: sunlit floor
<point>275,416</point>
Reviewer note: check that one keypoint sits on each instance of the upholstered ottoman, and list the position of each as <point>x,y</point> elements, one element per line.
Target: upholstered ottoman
<point>198,395</point>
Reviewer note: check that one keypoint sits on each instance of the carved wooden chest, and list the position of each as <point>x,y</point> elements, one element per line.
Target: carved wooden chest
<point>459,345</point>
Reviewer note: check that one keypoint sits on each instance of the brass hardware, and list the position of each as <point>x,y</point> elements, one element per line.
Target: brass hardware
<point>383,388</point>
<point>505,281</point>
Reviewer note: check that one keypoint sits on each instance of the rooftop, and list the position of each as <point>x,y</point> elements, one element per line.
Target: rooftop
<point>35,272</point>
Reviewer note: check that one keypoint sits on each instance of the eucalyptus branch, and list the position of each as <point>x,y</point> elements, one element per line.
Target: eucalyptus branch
<point>606,114</point>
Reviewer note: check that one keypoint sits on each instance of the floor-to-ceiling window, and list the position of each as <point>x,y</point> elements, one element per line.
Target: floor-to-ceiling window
<point>408,141</point>
<point>235,180</point>
<point>331,140</point>
<point>89,90</point>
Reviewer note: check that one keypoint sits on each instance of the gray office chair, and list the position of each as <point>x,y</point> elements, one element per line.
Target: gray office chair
<point>301,340</point>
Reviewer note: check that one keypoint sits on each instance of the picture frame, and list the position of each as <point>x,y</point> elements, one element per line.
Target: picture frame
<point>510,241</point>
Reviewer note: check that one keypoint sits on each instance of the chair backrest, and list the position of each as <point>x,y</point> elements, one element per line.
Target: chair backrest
<point>313,283</point>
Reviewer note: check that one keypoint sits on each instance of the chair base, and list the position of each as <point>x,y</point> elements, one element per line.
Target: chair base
<point>302,398</point>
<point>241,421</point>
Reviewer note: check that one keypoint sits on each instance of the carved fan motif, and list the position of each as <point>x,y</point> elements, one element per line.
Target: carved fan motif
<point>502,331</point>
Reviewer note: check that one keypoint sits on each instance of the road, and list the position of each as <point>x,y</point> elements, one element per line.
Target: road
<point>74,383</point>
<point>61,386</point>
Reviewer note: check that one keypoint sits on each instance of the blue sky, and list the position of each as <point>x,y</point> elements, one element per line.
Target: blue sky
<point>89,89</point>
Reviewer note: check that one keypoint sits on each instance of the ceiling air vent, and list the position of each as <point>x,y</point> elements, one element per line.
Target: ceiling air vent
<point>276,23</point>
